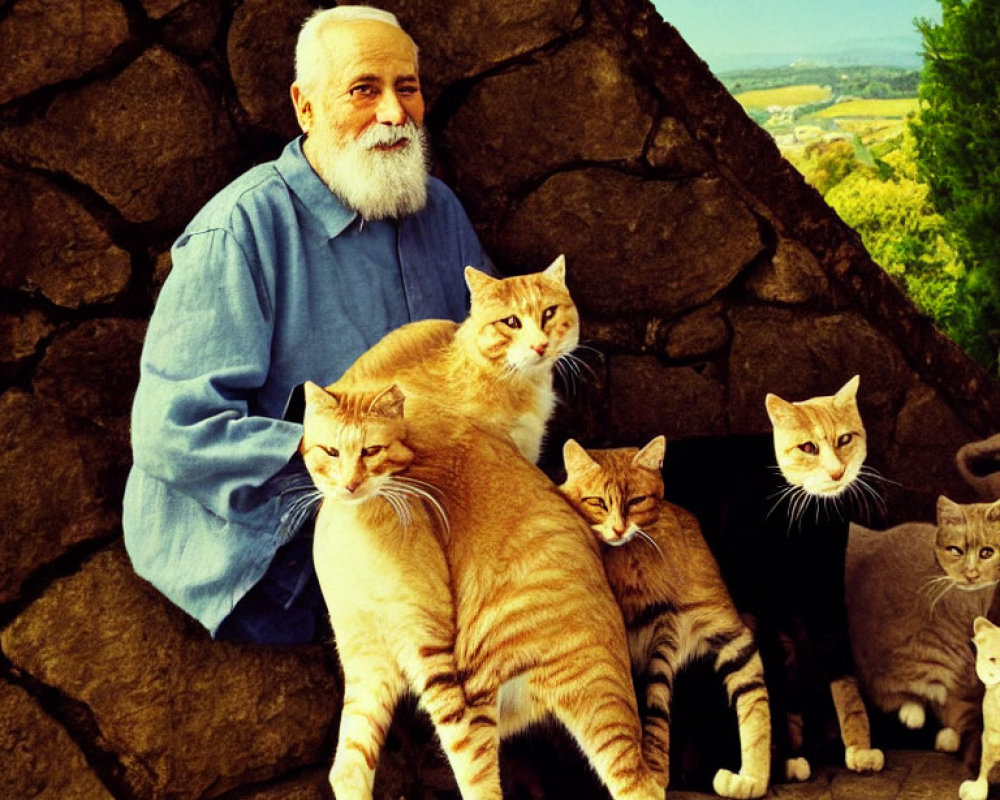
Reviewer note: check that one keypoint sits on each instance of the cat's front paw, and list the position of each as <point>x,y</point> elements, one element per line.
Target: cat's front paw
<point>912,715</point>
<point>797,769</point>
<point>731,784</point>
<point>861,760</point>
<point>350,782</point>
<point>973,790</point>
<point>947,741</point>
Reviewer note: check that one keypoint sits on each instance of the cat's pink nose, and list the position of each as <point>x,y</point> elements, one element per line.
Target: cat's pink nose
<point>837,474</point>
<point>351,487</point>
<point>540,348</point>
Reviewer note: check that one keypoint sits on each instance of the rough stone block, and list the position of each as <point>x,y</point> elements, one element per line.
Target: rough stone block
<point>38,760</point>
<point>187,717</point>
<point>636,246</point>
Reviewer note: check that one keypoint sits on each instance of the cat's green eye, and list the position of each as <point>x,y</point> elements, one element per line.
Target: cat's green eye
<point>374,450</point>
<point>333,452</point>
<point>986,552</point>
<point>809,448</point>
<point>845,439</point>
<point>511,322</point>
<point>548,314</point>
<point>595,502</point>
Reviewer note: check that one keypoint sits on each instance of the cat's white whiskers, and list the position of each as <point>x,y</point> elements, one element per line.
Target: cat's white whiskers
<point>300,509</point>
<point>875,475</point>
<point>936,589</point>
<point>645,536</point>
<point>780,497</point>
<point>422,490</point>
<point>399,502</point>
<point>864,487</point>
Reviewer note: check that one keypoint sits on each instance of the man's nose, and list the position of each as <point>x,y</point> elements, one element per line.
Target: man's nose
<point>389,110</point>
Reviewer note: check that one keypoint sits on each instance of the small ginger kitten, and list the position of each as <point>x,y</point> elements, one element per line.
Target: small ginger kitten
<point>675,604</point>
<point>496,367</point>
<point>453,569</point>
<point>987,641</point>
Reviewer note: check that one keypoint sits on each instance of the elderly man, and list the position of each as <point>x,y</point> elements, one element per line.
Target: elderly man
<point>288,274</point>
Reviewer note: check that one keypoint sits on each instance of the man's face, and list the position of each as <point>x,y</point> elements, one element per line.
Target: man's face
<point>364,125</point>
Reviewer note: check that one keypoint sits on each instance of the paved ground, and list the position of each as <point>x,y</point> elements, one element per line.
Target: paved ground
<point>908,775</point>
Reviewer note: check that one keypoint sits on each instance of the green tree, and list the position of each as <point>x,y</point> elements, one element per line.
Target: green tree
<point>884,200</point>
<point>958,145</point>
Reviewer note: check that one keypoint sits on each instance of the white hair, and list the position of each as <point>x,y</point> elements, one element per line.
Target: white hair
<point>309,62</point>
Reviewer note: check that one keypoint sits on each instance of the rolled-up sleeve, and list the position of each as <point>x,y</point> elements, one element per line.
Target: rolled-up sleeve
<point>207,352</point>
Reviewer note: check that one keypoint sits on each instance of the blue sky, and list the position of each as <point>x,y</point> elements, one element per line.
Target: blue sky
<point>735,34</point>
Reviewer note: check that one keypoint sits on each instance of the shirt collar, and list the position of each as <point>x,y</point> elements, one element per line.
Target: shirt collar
<point>309,188</point>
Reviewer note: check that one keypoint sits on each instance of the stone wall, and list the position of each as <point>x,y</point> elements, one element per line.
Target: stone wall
<point>706,273</point>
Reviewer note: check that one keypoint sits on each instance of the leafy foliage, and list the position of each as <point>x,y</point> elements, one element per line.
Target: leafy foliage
<point>958,153</point>
<point>879,193</point>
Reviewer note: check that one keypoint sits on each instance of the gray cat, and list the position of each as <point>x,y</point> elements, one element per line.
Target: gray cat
<point>912,593</point>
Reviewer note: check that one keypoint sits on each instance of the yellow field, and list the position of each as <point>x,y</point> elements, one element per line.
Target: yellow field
<point>784,96</point>
<point>871,108</point>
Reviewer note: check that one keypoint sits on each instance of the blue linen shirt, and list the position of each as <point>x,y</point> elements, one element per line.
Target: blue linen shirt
<point>274,282</point>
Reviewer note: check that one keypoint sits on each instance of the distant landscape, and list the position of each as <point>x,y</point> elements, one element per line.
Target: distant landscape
<point>803,103</point>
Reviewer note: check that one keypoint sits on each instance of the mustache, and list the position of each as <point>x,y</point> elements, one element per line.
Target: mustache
<point>388,135</point>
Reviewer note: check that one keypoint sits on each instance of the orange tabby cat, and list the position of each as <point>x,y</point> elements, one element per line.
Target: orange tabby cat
<point>675,603</point>
<point>495,367</point>
<point>493,612</point>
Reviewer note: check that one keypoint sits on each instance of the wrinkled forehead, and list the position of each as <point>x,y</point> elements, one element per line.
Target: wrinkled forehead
<point>355,48</point>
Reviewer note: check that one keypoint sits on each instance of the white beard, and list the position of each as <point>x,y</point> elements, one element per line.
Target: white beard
<point>378,184</point>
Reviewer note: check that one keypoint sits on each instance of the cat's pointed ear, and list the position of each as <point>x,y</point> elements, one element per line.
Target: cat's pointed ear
<point>651,456</point>
<point>949,512</point>
<point>478,281</point>
<point>575,457</point>
<point>993,512</point>
<point>318,397</point>
<point>556,271</point>
<point>847,395</point>
<point>389,403</point>
<point>780,412</point>
<point>981,629</point>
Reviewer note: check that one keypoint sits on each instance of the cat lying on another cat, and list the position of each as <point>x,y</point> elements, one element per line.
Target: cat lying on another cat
<point>496,366</point>
<point>987,641</point>
<point>912,594</point>
<point>452,568</point>
<point>675,604</point>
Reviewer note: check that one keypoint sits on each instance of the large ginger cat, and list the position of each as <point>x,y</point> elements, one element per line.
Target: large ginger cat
<point>675,604</point>
<point>913,592</point>
<point>780,538</point>
<point>497,365</point>
<point>453,568</point>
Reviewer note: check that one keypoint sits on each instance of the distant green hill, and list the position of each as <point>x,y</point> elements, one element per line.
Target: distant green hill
<point>876,83</point>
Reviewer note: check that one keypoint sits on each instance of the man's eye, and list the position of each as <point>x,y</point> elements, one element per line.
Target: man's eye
<point>511,322</point>
<point>333,452</point>
<point>408,91</point>
<point>548,314</point>
<point>809,447</point>
<point>372,451</point>
<point>362,90</point>
<point>595,502</point>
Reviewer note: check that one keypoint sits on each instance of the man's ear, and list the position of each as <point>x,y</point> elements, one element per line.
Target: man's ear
<point>303,108</point>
